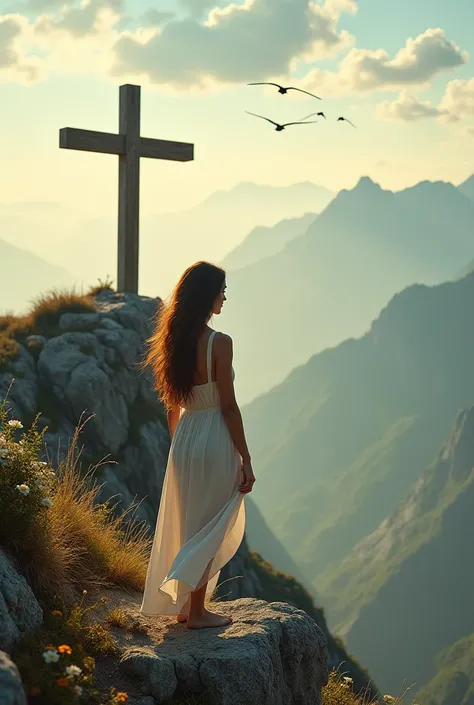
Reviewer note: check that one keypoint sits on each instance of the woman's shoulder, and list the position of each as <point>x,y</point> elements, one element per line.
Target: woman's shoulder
<point>222,343</point>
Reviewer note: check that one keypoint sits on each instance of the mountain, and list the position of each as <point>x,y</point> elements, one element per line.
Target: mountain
<point>453,683</point>
<point>263,541</point>
<point>169,242</point>
<point>330,283</point>
<point>265,241</point>
<point>414,580</point>
<point>340,442</point>
<point>467,187</point>
<point>24,275</point>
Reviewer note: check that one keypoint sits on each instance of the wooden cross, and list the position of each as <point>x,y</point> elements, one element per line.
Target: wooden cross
<point>129,147</point>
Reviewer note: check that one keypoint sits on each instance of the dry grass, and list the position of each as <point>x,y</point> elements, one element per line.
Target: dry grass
<point>84,544</point>
<point>102,285</point>
<point>339,691</point>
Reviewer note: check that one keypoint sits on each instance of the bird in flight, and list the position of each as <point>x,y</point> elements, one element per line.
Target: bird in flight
<point>312,115</point>
<point>283,89</point>
<point>345,120</point>
<point>279,127</point>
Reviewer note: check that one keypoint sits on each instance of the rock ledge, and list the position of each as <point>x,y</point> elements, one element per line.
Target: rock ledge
<point>273,654</point>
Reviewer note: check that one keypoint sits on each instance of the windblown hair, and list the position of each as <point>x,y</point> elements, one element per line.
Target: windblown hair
<point>172,349</point>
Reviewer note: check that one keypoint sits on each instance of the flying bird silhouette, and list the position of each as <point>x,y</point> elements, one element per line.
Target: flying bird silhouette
<point>345,120</point>
<point>279,127</point>
<point>312,115</point>
<point>283,89</point>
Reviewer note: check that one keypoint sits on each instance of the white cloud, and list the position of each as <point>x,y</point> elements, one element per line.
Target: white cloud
<point>458,99</point>
<point>15,62</point>
<point>252,40</point>
<point>91,17</point>
<point>407,108</point>
<point>415,64</point>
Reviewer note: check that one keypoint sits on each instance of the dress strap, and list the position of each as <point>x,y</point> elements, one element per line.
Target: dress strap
<point>209,356</point>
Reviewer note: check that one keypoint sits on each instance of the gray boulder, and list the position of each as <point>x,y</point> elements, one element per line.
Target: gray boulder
<point>272,654</point>
<point>19,609</point>
<point>11,688</point>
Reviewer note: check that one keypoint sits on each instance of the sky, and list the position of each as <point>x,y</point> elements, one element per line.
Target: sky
<point>402,72</point>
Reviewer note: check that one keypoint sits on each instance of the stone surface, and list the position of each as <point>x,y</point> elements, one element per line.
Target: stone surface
<point>19,609</point>
<point>11,688</point>
<point>272,654</point>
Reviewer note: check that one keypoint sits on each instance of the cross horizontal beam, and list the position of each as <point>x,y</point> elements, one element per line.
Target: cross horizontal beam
<point>108,143</point>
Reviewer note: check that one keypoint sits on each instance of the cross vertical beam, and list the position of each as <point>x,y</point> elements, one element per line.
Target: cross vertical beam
<point>129,146</point>
<point>129,189</point>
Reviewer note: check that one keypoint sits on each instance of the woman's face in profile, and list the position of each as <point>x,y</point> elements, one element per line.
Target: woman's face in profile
<point>219,302</point>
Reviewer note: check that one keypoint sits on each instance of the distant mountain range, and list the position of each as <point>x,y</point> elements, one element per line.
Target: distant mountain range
<point>24,275</point>
<point>417,568</point>
<point>265,241</point>
<point>328,284</point>
<point>467,187</point>
<point>170,242</point>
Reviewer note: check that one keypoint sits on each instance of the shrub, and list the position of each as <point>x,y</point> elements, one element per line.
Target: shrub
<point>26,484</point>
<point>8,351</point>
<point>63,539</point>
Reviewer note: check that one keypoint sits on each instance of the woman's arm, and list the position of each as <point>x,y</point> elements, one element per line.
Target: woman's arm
<point>230,410</point>
<point>172,416</point>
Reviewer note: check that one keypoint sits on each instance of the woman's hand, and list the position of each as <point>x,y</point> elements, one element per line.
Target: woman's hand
<point>248,478</point>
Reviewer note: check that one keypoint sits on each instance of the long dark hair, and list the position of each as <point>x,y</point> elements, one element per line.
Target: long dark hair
<point>173,346</point>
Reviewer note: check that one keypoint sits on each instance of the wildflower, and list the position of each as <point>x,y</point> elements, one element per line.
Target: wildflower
<point>89,663</point>
<point>389,699</point>
<point>14,423</point>
<point>24,489</point>
<point>121,697</point>
<point>47,502</point>
<point>84,592</point>
<point>65,649</point>
<point>63,682</point>
<point>348,680</point>
<point>57,613</point>
<point>51,656</point>
<point>73,671</point>
<point>77,690</point>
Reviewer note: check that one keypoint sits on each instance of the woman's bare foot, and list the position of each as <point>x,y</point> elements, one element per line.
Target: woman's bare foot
<point>208,619</point>
<point>182,618</point>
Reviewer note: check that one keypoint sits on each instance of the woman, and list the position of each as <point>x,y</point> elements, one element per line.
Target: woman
<point>201,519</point>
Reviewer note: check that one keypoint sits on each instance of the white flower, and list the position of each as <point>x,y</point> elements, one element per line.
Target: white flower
<point>24,489</point>
<point>73,670</point>
<point>77,690</point>
<point>47,502</point>
<point>348,680</point>
<point>51,656</point>
<point>14,423</point>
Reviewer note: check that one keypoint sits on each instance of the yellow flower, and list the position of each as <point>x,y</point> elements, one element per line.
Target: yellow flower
<point>65,649</point>
<point>57,613</point>
<point>84,592</point>
<point>63,682</point>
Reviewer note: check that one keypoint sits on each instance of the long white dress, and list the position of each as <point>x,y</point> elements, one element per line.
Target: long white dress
<point>201,519</point>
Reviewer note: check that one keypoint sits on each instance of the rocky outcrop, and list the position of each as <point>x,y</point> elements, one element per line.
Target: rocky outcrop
<point>11,688</point>
<point>19,609</point>
<point>272,654</point>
